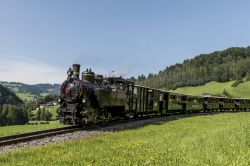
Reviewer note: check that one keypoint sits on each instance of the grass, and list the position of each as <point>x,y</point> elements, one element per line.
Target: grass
<point>44,94</point>
<point>18,129</point>
<point>222,139</point>
<point>242,90</point>
<point>25,96</point>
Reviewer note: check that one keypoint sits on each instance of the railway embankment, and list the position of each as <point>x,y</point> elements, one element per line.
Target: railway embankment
<point>221,139</point>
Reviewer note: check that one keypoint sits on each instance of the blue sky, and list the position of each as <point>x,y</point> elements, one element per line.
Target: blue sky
<point>40,39</point>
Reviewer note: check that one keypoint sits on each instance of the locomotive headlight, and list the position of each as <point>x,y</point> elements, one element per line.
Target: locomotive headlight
<point>83,100</point>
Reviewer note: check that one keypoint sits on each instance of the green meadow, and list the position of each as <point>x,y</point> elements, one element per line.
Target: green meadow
<point>221,139</point>
<point>242,90</point>
<point>25,96</point>
<point>18,129</point>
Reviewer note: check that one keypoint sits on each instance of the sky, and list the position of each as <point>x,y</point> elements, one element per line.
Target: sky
<point>41,39</point>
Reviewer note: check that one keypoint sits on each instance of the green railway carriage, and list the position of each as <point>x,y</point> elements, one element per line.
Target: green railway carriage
<point>224,103</point>
<point>194,103</point>
<point>175,102</point>
<point>242,104</point>
<point>184,103</point>
<point>147,100</point>
<point>228,104</point>
<point>212,103</point>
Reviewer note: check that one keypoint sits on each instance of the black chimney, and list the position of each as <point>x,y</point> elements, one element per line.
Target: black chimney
<point>76,70</point>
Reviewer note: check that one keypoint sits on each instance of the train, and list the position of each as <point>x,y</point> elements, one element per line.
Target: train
<point>94,99</point>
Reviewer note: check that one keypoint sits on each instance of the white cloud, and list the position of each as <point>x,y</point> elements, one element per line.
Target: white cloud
<point>29,71</point>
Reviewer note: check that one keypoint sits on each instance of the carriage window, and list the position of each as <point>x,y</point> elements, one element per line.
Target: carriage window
<point>135,90</point>
<point>130,88</point>
<point>120,86</point>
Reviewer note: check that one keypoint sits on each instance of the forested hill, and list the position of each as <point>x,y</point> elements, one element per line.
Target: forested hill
<point>221,66</point>
<point>8,97</point>
<point>33,89</point>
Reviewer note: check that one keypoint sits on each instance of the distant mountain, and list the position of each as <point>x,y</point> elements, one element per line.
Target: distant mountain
<point>8,97</point>
<point>33,89</point>
<point>221,66</point>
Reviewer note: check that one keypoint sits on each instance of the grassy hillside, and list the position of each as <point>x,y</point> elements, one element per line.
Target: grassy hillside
<point>222,139</point>
<point>32,89</point>
<point>26,96</point>
<point>242,90</point>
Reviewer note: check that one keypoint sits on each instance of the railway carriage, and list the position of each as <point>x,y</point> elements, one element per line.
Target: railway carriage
<point>176,102</point>
<point>212,103</point>
<point>242,104</point>
<point>194,103</point>
<point>147,101</point>
<point>228,104</point>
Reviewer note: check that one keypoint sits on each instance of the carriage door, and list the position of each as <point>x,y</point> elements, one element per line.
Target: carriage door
<point>130,96</point>
<point>149,100</point>
<point>221,103</point>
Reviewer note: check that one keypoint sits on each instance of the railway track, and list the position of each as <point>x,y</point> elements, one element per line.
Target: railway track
<point>26,137</point>
<point>14,139</point>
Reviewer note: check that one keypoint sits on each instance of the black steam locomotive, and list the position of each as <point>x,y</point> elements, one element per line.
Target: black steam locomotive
<point>95,99</point>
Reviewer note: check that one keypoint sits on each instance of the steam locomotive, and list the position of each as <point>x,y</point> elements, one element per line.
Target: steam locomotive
<point>94,99</point>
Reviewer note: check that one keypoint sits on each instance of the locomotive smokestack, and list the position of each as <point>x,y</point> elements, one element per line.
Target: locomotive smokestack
<point>76,70</point>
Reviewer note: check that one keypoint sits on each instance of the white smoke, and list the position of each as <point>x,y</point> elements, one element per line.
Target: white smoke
<point>125,72</point>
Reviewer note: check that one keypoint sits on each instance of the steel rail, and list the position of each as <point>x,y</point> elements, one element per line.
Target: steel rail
<point>14,139</point>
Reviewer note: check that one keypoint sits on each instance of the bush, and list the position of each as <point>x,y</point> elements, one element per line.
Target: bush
<point>34,123</point>
<point>226,93</point>
<point>44,122</point>
<point>236,83</point>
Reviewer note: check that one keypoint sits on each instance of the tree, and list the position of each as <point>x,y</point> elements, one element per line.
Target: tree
<point>47,115</point>
<point>38,114</point>
<point>43,114</point>
<point>13,115</point>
